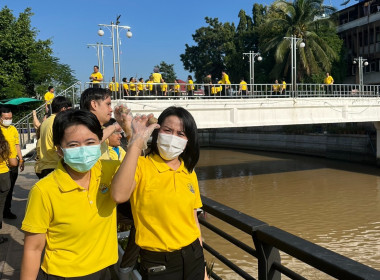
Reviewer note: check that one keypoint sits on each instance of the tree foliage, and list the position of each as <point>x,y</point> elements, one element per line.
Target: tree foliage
<point>220,46</point>
<point>27,66</point>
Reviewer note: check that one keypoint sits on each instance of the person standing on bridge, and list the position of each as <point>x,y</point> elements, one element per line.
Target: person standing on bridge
<point>48,97</point>
<point>190,86</point>
<point>225,81</point>
<point>11,135</point>
<point>157,80</point>
<point>7,159</point>
<point>114,86</point>
<point>328,81</point>
<point>48,154</point>
<point>207,84</point>
<point>96,77</point>
<point>164,194</point>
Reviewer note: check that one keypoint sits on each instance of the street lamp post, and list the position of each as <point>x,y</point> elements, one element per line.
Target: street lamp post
<point>100,53</point>
<point>252,56</point>
<point>293,48</point>
<point>115,41</point>
<point>361,63</point>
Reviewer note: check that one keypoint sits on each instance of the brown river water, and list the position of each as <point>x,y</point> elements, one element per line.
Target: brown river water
<point>334,204</point>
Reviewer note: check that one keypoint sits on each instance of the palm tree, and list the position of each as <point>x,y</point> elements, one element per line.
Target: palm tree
<point>302,19</point>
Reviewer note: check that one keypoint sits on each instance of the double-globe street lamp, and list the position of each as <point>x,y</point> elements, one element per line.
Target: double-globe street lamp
<point>115,41</point>
<point>361,62</point>
<point>293,47</point>
<point>100,53</point>
<point>252,56</point>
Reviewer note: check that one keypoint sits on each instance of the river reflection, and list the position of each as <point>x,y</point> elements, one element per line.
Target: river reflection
<point>332,203</point>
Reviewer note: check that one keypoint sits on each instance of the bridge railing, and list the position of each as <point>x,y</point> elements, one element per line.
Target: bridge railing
<point>268,241</point>
<point>25,126</point>
<point>237,91</point>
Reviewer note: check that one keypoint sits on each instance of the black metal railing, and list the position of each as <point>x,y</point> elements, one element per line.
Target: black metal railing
<point>268,241</point>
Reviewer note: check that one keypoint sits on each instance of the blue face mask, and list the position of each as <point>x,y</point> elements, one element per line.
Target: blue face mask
<point>82,158</point>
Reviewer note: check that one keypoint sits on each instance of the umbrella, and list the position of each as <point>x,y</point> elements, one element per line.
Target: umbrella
<point>19,101</point>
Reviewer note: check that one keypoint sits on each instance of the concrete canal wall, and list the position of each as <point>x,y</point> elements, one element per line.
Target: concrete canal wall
<point>358,148</point>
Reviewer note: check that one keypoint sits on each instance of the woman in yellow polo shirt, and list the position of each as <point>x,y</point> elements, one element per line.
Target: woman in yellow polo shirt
<point>7,158</point>
<point>70,213</point>
<point>164,194</point>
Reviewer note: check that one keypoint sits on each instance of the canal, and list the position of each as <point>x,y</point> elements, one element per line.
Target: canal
<point>334,204</point>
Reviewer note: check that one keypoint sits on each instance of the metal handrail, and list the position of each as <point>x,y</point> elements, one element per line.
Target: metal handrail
<point>25,124</point>
<point>269,240</point>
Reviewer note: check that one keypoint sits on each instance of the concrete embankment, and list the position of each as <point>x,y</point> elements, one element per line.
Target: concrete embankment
<point>358,148</point>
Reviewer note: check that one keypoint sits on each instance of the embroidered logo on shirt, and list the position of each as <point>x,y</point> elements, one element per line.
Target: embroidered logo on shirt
<point>103,188</point>
<point>190,187</point>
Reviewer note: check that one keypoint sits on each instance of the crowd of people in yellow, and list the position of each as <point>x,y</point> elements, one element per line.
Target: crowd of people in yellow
<point>85,175</point>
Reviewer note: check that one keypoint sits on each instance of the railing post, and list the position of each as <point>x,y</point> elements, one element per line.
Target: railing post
<point>266,256</point>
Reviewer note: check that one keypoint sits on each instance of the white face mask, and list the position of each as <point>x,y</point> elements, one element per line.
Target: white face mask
<point>7,122</point>
<point>170,146</point>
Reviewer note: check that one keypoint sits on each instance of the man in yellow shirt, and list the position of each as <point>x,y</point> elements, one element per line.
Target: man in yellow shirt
<point>243,87</point>
<point>276,88</point>
<point>48,97</point>
<point>149,86</point>
<point>98,102</point>
<point>48,154</point>
<point>283,88</point>
<point>328,81</point>
<point>11,135</point>
<point>113,86</point>
<point>225,81</point>
<point>156,79</point>
<point>164,88</point>
<point>96,77</point>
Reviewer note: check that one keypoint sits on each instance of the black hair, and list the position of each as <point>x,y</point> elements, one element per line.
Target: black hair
<point>131,79</point>
<point>190,155</point>
<point>59,103</point>
<point>50,87</point>
<point>5,110</point>
<point>4,147</point>
<point>93,94</point>
<point>189,77</point>
<point>96,66</point>
<point>110,122</point>
<point>141,79</point>
<point>68,118</point>
<point>124,80</point>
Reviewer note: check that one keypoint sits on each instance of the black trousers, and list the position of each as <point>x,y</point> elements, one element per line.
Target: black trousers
<point>103,274</point>
<point>5,185</point>
<point>186,263</point>
<point>13,171</point>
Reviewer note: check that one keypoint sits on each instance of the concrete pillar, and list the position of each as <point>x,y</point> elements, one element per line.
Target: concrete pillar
<point>377,126</point>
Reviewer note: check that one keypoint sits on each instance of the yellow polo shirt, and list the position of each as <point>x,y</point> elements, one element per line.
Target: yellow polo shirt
<point>276,87</point>
<point>49,96</point>
<point>125,86</point>
<point>140,86</point>
<point>48,153</point>
<point>113,86</point>
<point>328,80</point>
<point>243,85</point>
<point>113,154</point>
<point>190,85</point>
<point>226,80</point>
<point>132,86</point>
<point>10,134</point>
<point>98,77</point>
<point>157,77</point>
<point>149,85</point>
<point>80,225</point>
<point>164,87</point>
<point>163,204</point>
<point>283,87</point>
<point>176,87</point>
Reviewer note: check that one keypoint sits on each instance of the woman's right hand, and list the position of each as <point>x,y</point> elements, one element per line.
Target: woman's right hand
<point>141,130</point>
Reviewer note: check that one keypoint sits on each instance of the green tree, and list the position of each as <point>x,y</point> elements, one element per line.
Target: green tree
<point>27,66</point>
<point>304,19</point>
<point>167,71</point>
<point>213,44</point>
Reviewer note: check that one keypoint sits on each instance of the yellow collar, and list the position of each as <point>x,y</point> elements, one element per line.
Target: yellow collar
<point>161,165</point>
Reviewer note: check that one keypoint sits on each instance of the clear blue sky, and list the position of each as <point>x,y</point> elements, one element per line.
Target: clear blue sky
<point>160,29</point>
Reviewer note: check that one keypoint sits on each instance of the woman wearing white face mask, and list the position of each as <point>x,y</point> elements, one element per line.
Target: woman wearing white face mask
<point>164,194</point>
<point>70,213</point>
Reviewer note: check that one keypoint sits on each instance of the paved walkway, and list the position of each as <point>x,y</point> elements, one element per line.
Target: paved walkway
<point>11,251</point>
